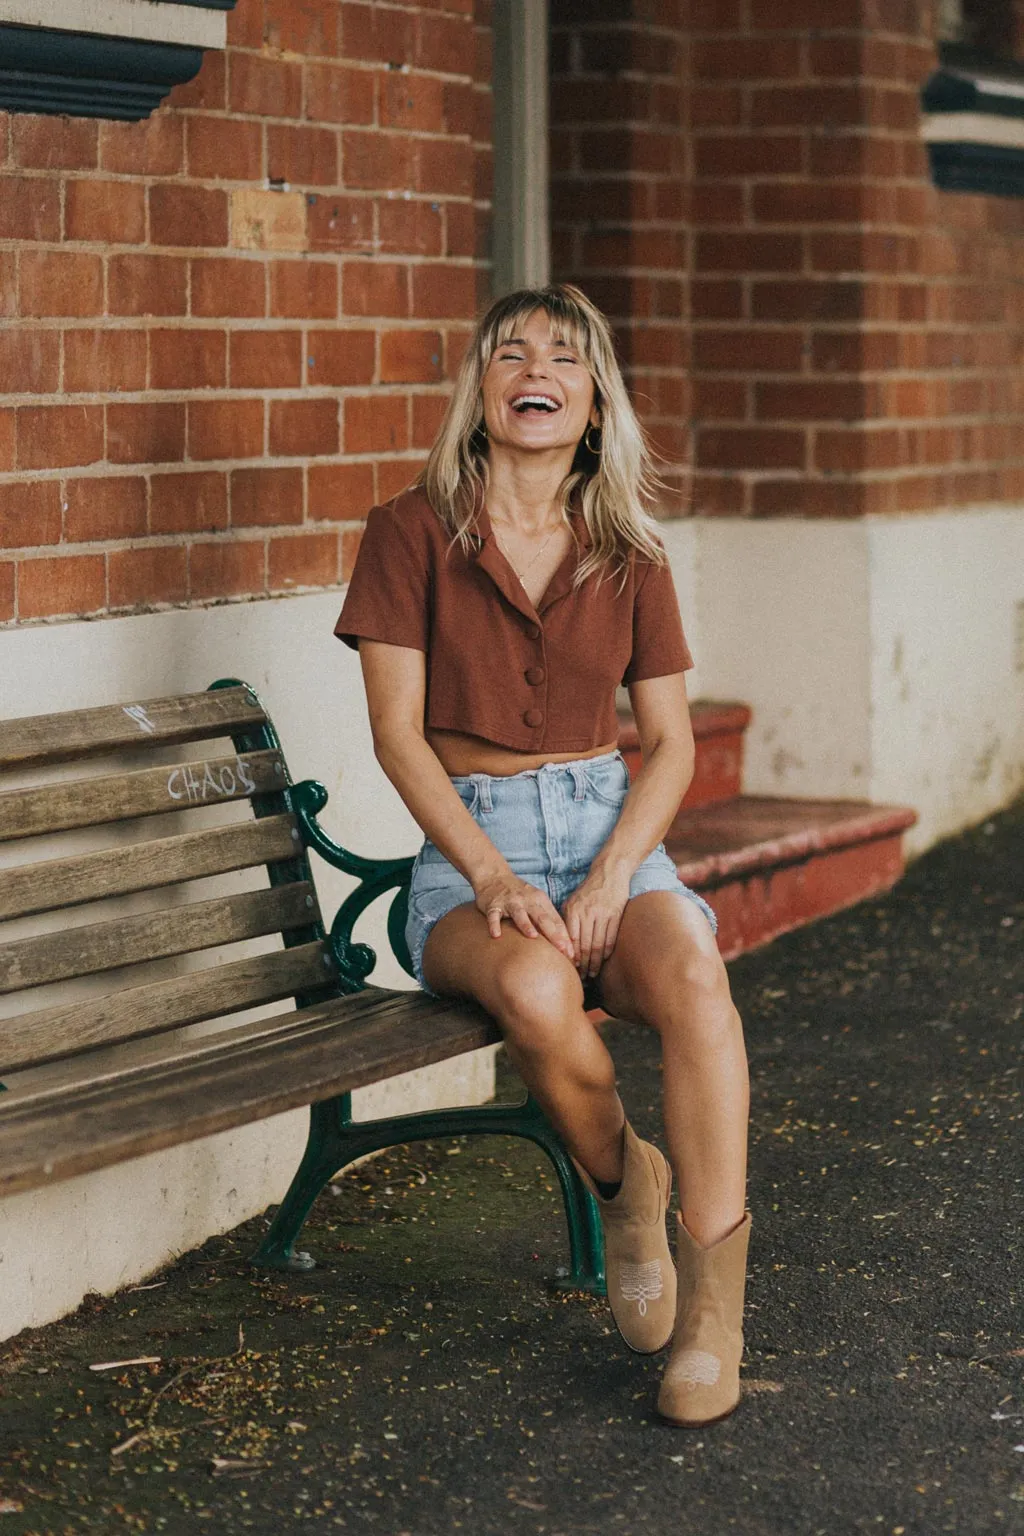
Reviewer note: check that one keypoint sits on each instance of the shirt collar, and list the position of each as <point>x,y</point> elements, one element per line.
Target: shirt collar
<point>490,558</point>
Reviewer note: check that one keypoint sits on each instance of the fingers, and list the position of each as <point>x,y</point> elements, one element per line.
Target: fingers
<point>593,935</point>
<point>555,931</point>
<point>520,915</point>
<point>572,924</point>
<point>533,915</point>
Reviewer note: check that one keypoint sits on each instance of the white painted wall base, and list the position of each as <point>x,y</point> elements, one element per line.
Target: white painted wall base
<point>882,658</point>
<point>112,1228</point>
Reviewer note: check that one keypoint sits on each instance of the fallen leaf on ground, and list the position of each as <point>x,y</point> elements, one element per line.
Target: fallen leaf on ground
<point>117,1365</point>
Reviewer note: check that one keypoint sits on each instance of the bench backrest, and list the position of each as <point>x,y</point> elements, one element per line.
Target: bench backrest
<point>241,761</point>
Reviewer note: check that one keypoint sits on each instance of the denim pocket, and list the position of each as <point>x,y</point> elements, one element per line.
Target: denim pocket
<point>608,782</point>
<point>468,791</point>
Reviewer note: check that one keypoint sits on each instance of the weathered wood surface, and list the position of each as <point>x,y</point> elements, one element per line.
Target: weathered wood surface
<point>150,722</point>
<point>122,797</point>
<point>229,1079</point>
<point>48,1034</point>
<point>49,884</point>
<point>121,941</point>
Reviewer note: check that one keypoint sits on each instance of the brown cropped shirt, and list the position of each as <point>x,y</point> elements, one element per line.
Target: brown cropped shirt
<point>533,679</point>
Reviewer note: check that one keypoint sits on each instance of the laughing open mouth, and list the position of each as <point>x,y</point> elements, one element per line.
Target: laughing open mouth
<point>543,403</point>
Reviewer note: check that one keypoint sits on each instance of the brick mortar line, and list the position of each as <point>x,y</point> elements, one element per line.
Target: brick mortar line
<point>244,533</point>
<point>218,394</point>
<point>100,469</point>
<point>309,256</point>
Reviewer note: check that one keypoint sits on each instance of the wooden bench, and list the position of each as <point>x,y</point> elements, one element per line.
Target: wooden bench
<point>109,1067</point>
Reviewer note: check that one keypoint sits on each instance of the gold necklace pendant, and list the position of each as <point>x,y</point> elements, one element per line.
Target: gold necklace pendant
<point>533,558</point>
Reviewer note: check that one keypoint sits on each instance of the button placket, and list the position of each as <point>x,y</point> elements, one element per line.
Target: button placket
<point>535,675</point>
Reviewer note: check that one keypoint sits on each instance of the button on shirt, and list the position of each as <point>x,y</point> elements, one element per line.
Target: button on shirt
<point>532,679</point>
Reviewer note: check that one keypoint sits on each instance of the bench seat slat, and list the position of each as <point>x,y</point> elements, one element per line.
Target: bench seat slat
<point>74,1075</point>
<point>120,797</point>
<point>77,733</point>
<point>47,957</point>
<point>53,1033</point>
<point>53,883</point>
<point>231,1079</point>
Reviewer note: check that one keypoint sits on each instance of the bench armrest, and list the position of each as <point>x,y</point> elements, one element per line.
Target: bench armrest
<point>375,876</point>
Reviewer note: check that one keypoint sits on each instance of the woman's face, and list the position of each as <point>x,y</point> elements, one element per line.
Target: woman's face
<point>538,394</point>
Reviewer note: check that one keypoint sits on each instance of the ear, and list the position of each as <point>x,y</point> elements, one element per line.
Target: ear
<point>595,415</point>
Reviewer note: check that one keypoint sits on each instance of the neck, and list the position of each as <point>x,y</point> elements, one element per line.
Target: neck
<point>522,490</point>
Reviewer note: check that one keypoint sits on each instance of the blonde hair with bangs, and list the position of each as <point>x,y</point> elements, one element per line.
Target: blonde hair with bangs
<point>613,489</point>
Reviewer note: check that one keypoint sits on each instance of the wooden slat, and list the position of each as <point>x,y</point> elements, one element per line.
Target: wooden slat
<point>153,935</point>
<point>48,1034</point>
<point>50,884</point>
<point>143,723</point>
<point>121,797</point>
<point>229,1079</point>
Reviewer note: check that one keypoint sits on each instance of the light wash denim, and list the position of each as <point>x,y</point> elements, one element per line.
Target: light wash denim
<point>549,823</point>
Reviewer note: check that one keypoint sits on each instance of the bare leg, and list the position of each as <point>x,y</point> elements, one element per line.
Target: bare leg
<point>536,998</point>
<point>666,972</point>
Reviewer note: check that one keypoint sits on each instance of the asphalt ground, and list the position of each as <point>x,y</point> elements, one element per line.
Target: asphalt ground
<point>425,1379</point>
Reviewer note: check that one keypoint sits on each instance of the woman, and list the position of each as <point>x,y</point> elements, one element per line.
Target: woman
<point>496,606</point>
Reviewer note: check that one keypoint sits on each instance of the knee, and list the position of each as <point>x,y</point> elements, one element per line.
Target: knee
<point>536,989</point>
<point>697,1006</point>
<point>540,1011</point>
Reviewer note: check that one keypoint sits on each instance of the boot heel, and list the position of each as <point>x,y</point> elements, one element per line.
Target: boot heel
<point>702,1379</point>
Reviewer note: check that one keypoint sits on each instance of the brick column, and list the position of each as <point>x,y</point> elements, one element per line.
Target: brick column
<point>854,330</point>
<point>619,202</point>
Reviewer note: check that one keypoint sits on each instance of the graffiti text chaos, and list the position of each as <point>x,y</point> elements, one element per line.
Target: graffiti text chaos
<point>210,781</point>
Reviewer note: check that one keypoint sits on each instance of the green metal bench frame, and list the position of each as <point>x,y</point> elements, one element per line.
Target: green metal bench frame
<point>335,1138</point>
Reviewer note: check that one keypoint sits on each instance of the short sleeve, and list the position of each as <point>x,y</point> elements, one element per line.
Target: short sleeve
<point>388,597</point>
<point>659,645</point>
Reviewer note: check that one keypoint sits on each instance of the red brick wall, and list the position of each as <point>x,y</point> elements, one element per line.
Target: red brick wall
<point>620,192</point>
<point>226,331</point>
<point>808,323</point>
<point>856,333</point>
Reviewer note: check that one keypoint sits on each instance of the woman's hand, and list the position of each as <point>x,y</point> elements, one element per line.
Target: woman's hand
<point>505,895</point>
<point>592,915</point>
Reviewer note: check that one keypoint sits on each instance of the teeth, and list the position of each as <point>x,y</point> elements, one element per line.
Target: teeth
<point>544,401</point>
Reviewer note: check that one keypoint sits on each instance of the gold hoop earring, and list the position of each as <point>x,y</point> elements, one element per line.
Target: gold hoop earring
<point>588,444</point>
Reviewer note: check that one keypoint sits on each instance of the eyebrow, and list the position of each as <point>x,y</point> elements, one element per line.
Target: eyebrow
<point>519,341</point>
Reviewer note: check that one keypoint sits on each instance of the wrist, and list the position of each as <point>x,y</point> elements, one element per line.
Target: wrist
<point>610,865</point>
<point>487,871</point>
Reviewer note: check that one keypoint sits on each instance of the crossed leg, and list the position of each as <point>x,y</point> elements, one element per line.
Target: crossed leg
<point>666,973</point>
<point>535,996</point>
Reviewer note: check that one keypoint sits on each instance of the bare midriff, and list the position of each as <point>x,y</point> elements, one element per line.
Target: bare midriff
<point>460,754</point>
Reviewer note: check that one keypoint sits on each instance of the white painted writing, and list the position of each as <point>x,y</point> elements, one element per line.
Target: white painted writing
<point>137,713</point>
<point>213,782</point>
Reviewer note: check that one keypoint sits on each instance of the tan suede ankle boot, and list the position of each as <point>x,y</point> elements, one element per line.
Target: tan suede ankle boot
<point>702,1379</point>
<point>641,1275</point>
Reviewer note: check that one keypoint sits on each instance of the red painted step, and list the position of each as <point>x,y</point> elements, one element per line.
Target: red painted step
<point>769,865</point>
<point>718,737</point>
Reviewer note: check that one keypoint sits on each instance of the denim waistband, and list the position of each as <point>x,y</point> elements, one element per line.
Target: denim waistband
<point>577,768</point>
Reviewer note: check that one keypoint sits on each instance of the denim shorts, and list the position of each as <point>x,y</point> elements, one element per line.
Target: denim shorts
<point>549,824</point>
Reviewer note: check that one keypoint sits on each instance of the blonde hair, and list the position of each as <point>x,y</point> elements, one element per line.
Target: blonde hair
<point>613,488</point>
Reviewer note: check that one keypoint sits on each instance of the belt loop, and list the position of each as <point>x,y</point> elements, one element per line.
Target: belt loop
<point>579,779</point>
<point>483,782</point>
